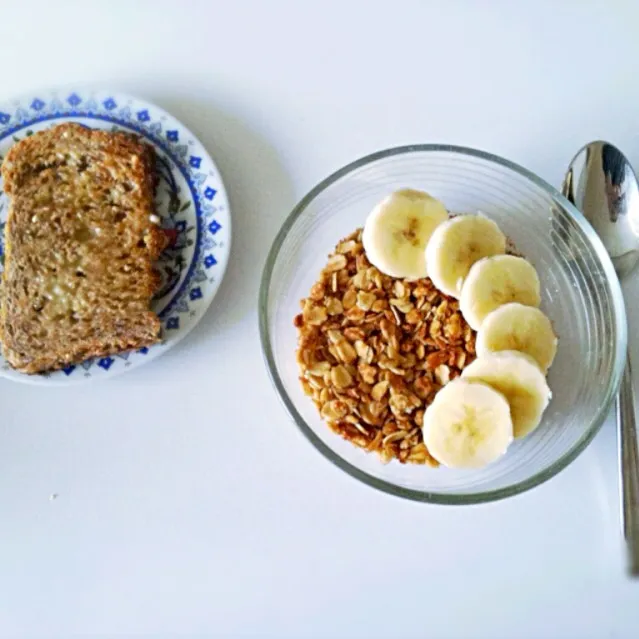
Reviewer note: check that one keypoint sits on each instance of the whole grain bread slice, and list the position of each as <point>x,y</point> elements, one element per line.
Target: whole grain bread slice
<point>80,242</point>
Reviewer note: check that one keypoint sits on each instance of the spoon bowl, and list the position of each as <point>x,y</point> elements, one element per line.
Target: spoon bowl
<point>601,183</point>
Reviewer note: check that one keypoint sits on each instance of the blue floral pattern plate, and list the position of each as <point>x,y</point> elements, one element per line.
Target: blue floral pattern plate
<point>190,200</point>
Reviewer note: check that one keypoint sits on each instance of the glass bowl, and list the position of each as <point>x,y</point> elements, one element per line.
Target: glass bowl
<point>580,293</point>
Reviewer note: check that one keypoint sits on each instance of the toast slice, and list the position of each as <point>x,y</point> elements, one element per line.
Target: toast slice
<point>80,242</point>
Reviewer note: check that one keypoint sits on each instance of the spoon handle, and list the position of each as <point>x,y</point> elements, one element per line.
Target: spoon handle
<point>629,468</point>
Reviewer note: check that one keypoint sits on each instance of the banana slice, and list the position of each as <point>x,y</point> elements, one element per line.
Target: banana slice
<point>456,245</point>
<point>515,327</point>
<point>397,231</point>
<point>495,281</point>
<point>518,377</point>
<point>468,425</point>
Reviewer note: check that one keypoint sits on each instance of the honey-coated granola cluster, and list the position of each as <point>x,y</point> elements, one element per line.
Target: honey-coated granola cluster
<point>374,350</point>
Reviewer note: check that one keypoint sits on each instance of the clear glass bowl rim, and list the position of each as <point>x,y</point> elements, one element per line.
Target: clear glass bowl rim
<point>427,496</point>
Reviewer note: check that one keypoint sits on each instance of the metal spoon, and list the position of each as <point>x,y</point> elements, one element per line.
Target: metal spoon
<point>601,183</point>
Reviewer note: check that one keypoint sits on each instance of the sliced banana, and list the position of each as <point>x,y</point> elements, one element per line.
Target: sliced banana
<point>456,245</point>
<point>397,231</point>
<point>518,377</point>
<point>515,327</point>
<point>468,425</point>
<point>495,281</point>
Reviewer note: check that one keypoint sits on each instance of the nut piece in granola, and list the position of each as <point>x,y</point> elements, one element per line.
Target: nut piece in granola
<point>397,231</point>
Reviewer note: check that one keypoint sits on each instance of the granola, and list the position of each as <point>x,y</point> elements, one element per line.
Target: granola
<point>374,350</point>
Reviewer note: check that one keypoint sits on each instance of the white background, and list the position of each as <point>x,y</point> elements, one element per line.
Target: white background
<point>187,501</point>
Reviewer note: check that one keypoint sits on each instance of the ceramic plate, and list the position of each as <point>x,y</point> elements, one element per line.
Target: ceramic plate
<point>190,199</point>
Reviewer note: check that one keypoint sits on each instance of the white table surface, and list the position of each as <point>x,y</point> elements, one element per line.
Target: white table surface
<point>188,504</point>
